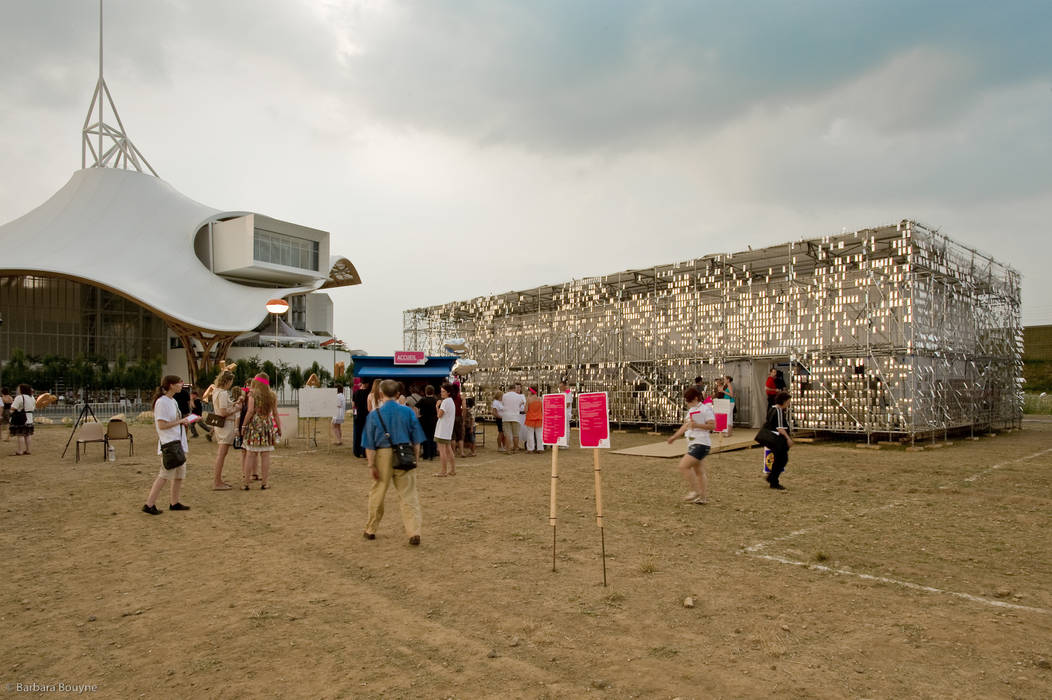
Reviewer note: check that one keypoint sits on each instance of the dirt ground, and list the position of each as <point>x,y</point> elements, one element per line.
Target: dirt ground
<point>878,574</point>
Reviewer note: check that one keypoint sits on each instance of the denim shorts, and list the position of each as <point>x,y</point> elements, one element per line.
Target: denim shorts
<point>698,451</point>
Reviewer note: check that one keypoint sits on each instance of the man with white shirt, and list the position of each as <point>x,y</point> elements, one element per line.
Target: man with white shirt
<point>514,405</point>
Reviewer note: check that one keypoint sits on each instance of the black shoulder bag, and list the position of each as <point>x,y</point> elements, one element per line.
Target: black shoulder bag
<point>404,454</point>
<point>172,454</point>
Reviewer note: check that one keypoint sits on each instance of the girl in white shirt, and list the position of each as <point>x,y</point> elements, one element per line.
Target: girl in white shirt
<point>700,420</point>
<point>337,418</point>
<point>170,428</point>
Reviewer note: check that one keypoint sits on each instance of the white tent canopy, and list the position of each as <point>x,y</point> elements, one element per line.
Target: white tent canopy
<point>133,234</point>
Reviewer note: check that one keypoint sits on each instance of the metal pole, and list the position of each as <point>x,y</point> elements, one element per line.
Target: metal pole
<point>100,88</point>
<point>599,506</point>
<point>552,517</point>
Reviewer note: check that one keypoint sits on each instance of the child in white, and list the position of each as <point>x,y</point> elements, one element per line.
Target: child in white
<point>699,421</point>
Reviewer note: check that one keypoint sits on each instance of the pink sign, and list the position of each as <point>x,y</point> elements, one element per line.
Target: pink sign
<point>721,409</point>
<point>556,421</point>
<point>595,419</point>
<point>410,357</point>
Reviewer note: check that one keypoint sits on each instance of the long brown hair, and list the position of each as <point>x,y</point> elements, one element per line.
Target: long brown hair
<point>166,384</point>
<point>378,398</point>
<point>263,398</point>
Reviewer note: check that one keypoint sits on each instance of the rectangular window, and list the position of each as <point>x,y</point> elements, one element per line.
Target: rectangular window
<point>281,249</point>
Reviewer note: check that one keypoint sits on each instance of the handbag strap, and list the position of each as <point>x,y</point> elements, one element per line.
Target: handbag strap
<point>380,417</point>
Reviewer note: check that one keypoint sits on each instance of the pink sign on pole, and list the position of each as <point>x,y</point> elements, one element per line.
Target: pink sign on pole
<point>556,421</point>
<point>595,419</point>
<point>410,357</point>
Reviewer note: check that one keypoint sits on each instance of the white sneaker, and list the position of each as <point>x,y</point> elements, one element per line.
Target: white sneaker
<point>689,498</point>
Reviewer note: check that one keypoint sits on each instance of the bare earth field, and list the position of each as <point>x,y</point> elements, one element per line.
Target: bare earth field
<point>878,574</point>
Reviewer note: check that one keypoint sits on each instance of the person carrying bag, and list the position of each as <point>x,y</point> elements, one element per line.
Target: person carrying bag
<point>774,435</point>
<point>391,440</point>
<point>171,445</point>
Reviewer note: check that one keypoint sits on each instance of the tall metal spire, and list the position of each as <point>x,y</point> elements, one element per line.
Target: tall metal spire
<point>119,151</point>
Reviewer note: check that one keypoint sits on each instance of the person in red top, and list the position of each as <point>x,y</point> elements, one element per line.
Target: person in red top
<point>771,387</point>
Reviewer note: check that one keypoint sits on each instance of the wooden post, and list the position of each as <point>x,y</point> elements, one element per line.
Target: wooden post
<point>599,506</point>
<point>552,518</point>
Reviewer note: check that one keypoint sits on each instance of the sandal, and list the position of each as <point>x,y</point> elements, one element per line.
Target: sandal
<point>441,474</point>
<point>224,487</point>
<point>263,487</point>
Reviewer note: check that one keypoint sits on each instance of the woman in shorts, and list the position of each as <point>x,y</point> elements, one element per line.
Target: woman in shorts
<point>171,427</point>
<point>447,413</point>
<point>699,421</point>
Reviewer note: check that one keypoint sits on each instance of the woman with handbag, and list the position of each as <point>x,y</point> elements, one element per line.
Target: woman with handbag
<point>261,429</point>
<point>171,444</point>
<point>224,425</point>
<point>22,418</point>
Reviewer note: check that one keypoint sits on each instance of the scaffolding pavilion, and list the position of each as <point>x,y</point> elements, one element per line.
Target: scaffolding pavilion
<point>893,330</point>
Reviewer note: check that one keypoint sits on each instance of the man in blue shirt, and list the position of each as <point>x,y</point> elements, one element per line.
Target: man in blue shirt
<point>403,427</point>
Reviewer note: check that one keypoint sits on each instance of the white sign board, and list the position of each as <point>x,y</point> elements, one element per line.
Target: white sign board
<point>290,422</point>
<point>317,403</point>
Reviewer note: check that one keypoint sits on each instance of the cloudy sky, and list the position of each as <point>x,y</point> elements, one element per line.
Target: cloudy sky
<point>461,148</point>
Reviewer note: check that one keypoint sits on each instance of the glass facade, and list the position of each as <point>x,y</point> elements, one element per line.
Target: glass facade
<point>281,249</point>
<point>55,316</point>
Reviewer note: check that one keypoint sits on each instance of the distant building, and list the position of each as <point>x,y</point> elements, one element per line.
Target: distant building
<point>119,262</point>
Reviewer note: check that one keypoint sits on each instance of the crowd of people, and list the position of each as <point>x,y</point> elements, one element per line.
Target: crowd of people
<point>389,420</point>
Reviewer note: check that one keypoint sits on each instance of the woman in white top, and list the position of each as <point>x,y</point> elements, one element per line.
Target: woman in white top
<point>26,403</point>
<point>230,410</point>
<point>338,416</point>
<point>447,414</point>
<point>170,428</point>
<point>700,420</point>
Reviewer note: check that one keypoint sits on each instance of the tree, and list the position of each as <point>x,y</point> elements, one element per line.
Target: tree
<point>206,378</point>
<point>82,373</point>
<point>119,372</point>
<point>282,373</point>
<point>296,379</point>
<point>16,370</point>
<point>271,371</point>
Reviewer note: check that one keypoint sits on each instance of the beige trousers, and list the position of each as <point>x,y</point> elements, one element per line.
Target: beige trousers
<point>405,485</point>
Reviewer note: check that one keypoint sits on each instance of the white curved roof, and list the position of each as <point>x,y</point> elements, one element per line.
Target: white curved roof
<point>134,234</point>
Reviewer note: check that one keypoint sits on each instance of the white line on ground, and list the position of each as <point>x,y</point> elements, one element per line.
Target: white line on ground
<point>973,477</point>
<point>807,530</point>
<point>897,582</point>
<point>753,550</point>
